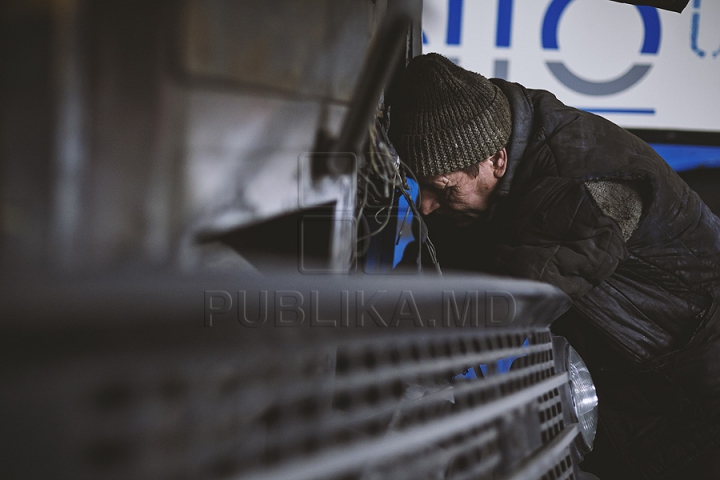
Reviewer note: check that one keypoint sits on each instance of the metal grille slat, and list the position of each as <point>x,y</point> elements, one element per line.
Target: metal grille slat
<point>336,461</point>
<point>555,452</point>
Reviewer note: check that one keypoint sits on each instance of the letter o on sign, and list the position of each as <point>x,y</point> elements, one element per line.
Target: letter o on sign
<point>651,45</point>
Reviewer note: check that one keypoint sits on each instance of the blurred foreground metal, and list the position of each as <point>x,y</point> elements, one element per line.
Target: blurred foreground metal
<point>120,378</point>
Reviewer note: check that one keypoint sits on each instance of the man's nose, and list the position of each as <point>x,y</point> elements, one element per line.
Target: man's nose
<point>429,203</point>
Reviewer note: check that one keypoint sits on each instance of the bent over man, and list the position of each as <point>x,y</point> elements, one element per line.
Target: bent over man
<point>514,182</point>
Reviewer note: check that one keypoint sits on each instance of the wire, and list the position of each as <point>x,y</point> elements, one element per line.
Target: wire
<point>385,165</point>
<point>382,167</point>
<point>384,223</point>
<point>423,227</point>
<point>402,226</point>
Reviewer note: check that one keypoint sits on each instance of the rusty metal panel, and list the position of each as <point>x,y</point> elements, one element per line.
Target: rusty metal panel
<point>307,47</point>
<point>233,138</point>
<point>350,28</point>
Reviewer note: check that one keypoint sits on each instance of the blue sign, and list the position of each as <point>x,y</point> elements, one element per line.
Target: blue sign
<point>650,46</point>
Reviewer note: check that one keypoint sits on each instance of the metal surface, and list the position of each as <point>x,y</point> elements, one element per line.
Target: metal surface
<point>273,46</point>
<point>130,300</point>
<point>120,377</point>
<point>381,62</point>
<point>338,461</point>
<point>133,128</point>
<point>555,462</point>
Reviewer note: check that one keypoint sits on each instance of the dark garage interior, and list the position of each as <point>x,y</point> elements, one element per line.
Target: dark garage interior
<point>217,263</point>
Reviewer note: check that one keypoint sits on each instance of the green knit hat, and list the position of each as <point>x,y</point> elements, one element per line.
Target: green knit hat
<point>446,118</point>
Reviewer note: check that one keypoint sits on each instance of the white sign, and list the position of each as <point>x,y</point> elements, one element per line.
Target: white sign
<point>638,66</point>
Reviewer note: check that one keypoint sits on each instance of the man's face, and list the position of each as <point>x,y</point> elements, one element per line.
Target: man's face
<point>458,195</point>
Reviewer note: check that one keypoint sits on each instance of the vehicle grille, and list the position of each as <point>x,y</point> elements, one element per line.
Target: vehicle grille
<point>362,409</point>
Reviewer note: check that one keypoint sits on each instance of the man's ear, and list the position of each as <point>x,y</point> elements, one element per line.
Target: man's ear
<point>499,163</point>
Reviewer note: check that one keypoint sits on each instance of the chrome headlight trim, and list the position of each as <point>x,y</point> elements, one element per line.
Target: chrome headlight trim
<point>584,397</point>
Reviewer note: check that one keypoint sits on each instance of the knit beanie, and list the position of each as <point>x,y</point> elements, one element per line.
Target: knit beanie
<point>446,118</point>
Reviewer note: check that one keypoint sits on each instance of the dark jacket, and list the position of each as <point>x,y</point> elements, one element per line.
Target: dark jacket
<point>647,306</point>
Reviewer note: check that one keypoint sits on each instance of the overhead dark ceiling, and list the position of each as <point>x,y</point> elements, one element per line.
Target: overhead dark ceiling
<point>674,5</point>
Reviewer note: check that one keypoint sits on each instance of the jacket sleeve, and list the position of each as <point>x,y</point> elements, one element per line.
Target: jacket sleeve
<point>560,237</point>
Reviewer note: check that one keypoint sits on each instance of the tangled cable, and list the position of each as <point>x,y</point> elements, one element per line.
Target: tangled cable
<point>384,166</point>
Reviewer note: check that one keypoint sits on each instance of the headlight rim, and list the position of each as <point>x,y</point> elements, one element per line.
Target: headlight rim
<point>583,442</point>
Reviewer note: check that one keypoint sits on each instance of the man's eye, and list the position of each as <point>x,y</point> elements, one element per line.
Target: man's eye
<point>449,191</point>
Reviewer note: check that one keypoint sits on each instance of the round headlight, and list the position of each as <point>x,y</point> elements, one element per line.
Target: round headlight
<point>584,397</point>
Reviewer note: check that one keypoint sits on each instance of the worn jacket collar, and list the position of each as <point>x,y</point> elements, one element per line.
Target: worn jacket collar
<point>521,109</point>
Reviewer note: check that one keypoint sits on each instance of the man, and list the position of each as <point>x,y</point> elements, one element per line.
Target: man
<point>514,182</point>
